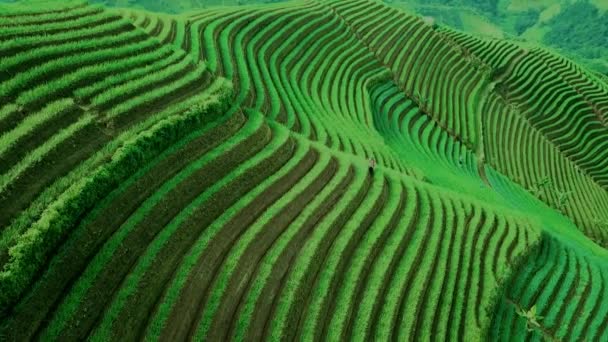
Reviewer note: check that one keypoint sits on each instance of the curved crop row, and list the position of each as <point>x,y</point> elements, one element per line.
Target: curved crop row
<point>567,291</point>
<point>276,59</point>
<point>78,135</point>
<point>556,96</point>
<point>534,168</point>
<point>423,63</point>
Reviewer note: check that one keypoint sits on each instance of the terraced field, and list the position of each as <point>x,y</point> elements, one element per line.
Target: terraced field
<point>205,177</point>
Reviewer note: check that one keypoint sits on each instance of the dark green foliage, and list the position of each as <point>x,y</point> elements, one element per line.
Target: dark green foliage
<point>582,28</point>
<point>32,248</point>
<point>526,20</point>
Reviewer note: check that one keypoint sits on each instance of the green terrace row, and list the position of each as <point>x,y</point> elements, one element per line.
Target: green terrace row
<point>567,291</point>
<point>428,69</point>
<point>559,98</point>
<point>20,12</point>
<point>117,84</point>
<point>164,28</point>
<point>482,104</point>
<point>192,208</point>
<point>528,158</point>
<point>67,13</point>
<point>119,96</point>
<point>422,142</point>
<point>267,69</point>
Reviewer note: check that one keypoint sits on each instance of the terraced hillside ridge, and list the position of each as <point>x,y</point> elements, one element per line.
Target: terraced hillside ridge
<point>205,176</point>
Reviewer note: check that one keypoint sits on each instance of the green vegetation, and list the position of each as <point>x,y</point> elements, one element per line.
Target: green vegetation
<point>206,174</point>
<point>589,40</point>
<point>577,28</point>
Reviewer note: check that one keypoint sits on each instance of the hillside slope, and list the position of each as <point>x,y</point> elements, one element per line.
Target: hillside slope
<point>205,177</point>
<point>577,28</point>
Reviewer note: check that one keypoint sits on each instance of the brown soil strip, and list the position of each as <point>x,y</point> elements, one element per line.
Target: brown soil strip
<point>536,292</point>
<point>59,72</point>
<point>224,21</point>
<point>510,249</point>
<point>536,261</point>
<point>187,37</point>
<point>277,43</point>
<point>86,240</point>
<point>313,270</point>
<point>602,328</point>
<point>132,319</point>
<point>496,251</point>
<point>84,35</point>
<point>71,152</point>
<point>49,31</point>
<point>132,93</point>
<point>37,137</point>
<point>596,307</point>
<point>145,22</point>
<point>483,259</point>
<point>157,28</point>
<point>50,11</point>
<point>100,293</point>
<point>12,120</point>
<point>77,148</point>
<point>467,230</point>
<point>194,293</point>
<point>158,104</point>
<point>435,320</point>
<point>37,60</point>
<point>566,301</point>
<point>171,36</point>
<point>250,260</point>
<point>266,302</point>
<point>376,250</point>
<point>581,301</point>
<point>467,288</point>
<point>390,274</point>
<point>328,306</point>
<point>66,17</point>
<point>87,99</point>
<point>421,304</point>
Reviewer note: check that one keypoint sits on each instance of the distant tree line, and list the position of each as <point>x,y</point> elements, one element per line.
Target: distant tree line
<point>582,28</point>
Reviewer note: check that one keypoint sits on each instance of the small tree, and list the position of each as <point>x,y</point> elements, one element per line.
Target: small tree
<point>540,188</point>
<point>562,198</point>
<point>532,319</point>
